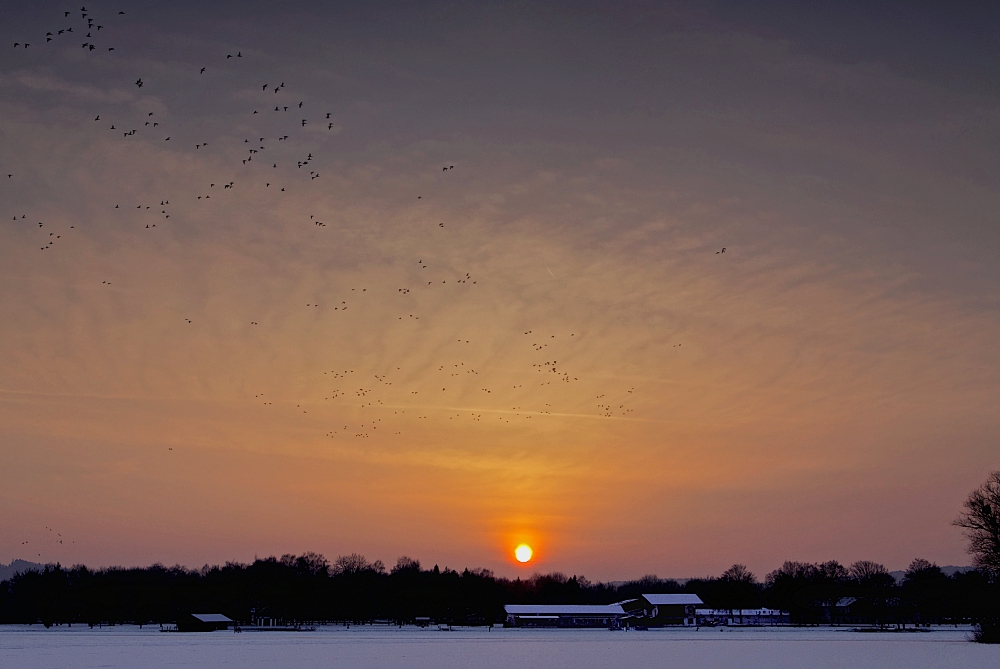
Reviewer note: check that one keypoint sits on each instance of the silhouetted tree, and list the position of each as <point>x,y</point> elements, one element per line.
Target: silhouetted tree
<point>981,522</point>
<point>649,584</point>
<point>404,563</point>
<point>873,585</point>
<point>739,588</point>
<point>926,592</point>
<point>809,592</point>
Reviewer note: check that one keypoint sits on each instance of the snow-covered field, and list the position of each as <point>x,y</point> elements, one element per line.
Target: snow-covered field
<point>79,647</point>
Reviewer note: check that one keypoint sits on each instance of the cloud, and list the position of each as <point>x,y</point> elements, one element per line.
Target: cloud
<point>76,91</point>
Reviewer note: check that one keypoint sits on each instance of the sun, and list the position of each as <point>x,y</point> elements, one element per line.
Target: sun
<point>523,553</point>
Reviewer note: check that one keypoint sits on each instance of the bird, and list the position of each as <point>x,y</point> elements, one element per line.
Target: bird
<point>202,71</point>
<point>139,82</point>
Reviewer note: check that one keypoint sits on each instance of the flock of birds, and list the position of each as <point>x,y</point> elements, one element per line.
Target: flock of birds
<point>288,120</point>
<point>91,28</point>
<point>53,538</point>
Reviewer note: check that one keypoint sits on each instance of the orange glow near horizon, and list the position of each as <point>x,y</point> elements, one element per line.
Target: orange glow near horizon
<point>542,346</point>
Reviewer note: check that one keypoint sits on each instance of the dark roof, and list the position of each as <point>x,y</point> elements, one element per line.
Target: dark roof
<point>211,617</point>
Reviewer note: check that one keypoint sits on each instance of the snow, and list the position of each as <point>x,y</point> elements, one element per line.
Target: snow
<point>673,599</point>
<point>34,647</point>
<point>565,609</point>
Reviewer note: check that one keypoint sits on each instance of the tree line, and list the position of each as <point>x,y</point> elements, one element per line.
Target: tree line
<point>308,588</point>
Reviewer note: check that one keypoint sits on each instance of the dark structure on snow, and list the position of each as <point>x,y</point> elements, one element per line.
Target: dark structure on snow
<point>203,622</point>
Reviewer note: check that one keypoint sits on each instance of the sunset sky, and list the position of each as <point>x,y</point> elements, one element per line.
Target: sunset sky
<point>542,344</point>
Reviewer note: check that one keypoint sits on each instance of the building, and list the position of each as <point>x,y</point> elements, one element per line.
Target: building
<point>657,610</point>
<point>565,615</point>
<point>203,622</point>
<point>753,617</point>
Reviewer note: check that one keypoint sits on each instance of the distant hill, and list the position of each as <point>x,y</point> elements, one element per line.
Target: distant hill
<point>7,571</point>
<point>949,570</point>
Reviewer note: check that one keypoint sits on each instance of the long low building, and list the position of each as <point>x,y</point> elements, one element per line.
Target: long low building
<point>564,615</point>
<point>653,610</point>
<point>753,617</point>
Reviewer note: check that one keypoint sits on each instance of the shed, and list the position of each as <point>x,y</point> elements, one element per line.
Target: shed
<point>203,622</point>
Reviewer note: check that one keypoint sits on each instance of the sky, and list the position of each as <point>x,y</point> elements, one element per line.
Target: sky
<point>656,288</point>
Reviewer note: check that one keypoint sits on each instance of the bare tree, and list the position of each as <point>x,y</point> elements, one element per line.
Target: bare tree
<point>739,573</point>
<point>981,522</point>
<point>740,587</point>
<point>356,563</point>
<point>868,573</point>
<point>405,563</point>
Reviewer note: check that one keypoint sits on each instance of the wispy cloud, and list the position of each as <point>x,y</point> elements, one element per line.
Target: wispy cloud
<point>531,339</point>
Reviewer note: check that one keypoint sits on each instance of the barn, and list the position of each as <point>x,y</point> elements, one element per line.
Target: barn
<point>657,610</point>
<point>203,622</point>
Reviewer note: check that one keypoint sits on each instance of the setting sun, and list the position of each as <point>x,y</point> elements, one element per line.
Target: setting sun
<point>523,553</point>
